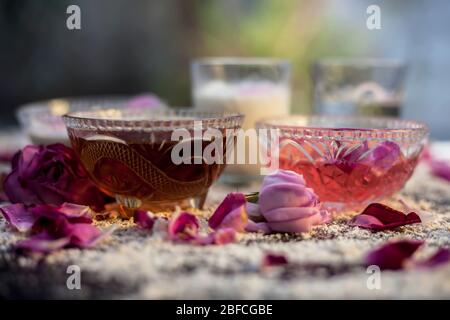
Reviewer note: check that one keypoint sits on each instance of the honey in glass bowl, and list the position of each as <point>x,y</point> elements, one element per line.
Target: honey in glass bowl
<point>128,154</point>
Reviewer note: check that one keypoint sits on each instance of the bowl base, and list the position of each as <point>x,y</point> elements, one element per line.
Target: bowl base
<point>128,205</point>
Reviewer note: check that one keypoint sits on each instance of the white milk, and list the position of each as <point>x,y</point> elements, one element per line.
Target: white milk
<point>255,99</point>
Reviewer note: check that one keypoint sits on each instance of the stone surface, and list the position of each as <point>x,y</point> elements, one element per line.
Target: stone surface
<point>132,263</point>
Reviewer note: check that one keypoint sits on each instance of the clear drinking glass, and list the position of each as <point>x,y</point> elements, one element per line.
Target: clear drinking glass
<point>256,87</point>
<point>372,87</point>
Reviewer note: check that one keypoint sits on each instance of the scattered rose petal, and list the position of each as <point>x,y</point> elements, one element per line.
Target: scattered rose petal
<point>440,168</point>
<point>425,216</point>
<point>72,210</point>
<point>51,175</point>
<point>143,219</point>
<point>42,242</point>
<point>19,216</point>
<point>441,256</point>
<point>183,227</point>
<point>219,237</point>
<point>53,227</point>
<point>82,235</point>
<point>224,236</point>
<point>398,255</point>
<point>48,214</point>
<point>230,213</point>
<point>393,255</point>
<point>274,260</point>
<point>380,217</point>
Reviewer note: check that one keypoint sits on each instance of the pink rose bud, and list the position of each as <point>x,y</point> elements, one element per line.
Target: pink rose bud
<point>288,204</point>
<point>51,175</point>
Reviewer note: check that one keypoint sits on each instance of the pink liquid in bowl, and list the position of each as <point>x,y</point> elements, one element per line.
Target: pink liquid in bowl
<point>349,161</point>
<point>349,181</point>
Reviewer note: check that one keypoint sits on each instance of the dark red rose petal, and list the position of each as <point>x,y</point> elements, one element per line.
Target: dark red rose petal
<point>272,259</point>
<point>393,255</point>
<point>379,217</point>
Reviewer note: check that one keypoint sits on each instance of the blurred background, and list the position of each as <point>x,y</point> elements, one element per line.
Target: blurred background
<point>134,46</point>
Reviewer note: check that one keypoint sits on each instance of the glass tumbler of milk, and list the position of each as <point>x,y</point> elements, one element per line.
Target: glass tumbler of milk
<point>259,88</point>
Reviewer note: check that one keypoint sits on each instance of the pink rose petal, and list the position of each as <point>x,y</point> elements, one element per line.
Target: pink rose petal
<point>297,225</point>
<point>285,195</point>
<point>393,255</point>
<point>283,176</point>
<point>53,227</point>
<point>385,154</point>
<point>223,236</point>
<point>143,219</point>
<point>183,227</point>
<point>288,205</point>
<point>290,213</point>
<point>440,169</point>
<point>43,243</point>
<point>379,217</point>
<point>83,235</point>
<point>19,217</point>
<point>230,213</point>
<point>72,210</point>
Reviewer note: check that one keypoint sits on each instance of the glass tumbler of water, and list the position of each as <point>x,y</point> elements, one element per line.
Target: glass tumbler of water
<point>372,87</point>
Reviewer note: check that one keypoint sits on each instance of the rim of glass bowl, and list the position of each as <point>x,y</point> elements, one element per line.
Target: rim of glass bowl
<point>51,110</point>
<point>238,61</point>
<point>376,128</point>
<point>361,62</point>
<point>149,120</point>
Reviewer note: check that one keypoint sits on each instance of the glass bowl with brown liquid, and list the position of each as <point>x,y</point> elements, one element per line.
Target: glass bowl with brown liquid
<point>153,159</point>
